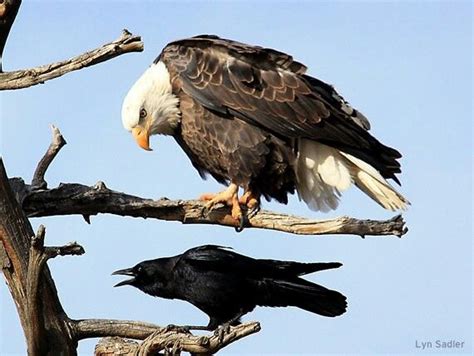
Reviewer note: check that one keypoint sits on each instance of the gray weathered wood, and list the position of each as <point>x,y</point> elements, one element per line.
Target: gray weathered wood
<point>173,342</point>
<point>47,328</point>
<point>54,337</point>
<point>70,199</point>
<point>25,78</point>
<point>57,143</point>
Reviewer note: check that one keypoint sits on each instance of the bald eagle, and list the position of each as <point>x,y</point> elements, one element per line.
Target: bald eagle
<point>251,118</point>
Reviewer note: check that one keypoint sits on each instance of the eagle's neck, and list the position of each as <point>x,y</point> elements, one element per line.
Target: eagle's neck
<point>162,102</point>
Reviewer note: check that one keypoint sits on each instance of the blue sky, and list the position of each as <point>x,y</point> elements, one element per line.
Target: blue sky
<point>406,65</point>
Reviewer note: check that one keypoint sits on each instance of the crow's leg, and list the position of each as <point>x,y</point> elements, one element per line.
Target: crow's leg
<point>225,327</point>
<point>186,329</point>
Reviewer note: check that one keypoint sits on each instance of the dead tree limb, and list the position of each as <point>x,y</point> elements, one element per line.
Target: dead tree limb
<point>23,256</point>
<point>43,319</point>
<point>48,330</point>
<point>19,79</point>
<point>78,199</point>
<point>92,328</point>
<point>57,143</point>
<point>173,342</point>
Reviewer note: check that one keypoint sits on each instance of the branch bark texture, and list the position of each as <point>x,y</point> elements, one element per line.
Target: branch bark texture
<point>171,342</point>
<point>92,328</point>
<point>23,256</point>
<point>41,315</point>
<point>25,78</point>
<point>70,199</point>
<point>47,328</point>
<point>57,143</point>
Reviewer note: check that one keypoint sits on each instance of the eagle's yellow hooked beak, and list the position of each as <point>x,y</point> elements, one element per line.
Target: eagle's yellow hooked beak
<point>142,136</point>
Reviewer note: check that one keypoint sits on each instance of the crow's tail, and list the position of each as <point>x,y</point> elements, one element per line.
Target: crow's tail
<point>296,268</point>
<point>303,294</point>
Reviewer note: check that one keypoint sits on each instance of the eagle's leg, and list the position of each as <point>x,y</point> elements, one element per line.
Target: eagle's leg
<point>252,201</point>
<point>229,197</point>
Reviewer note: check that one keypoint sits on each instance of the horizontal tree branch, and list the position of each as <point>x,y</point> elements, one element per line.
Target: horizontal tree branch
<point>92,328</point>
<point>71,249</point>
<point>167,339</point>
<point>25,78</point>
<point>47,328</point>
<point>69,199</point>
<point>173,342</point>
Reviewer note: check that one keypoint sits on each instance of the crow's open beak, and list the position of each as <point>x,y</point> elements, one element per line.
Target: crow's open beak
<point>125,272</point>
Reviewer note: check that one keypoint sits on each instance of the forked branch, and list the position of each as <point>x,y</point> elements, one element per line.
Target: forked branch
<point>23,256</point>
<point>43,320</point>
<point>78,199</point>
<point>173,342</point>
<point>47,328</point>
<point>38,256</point>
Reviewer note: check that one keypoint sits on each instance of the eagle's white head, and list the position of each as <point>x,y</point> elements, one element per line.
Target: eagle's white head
<point>150,107</point>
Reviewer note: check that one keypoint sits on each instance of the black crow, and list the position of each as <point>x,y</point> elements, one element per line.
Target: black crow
<point>226,285</point>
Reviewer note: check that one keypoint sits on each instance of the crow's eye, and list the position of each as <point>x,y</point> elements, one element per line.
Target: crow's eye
<point>140,269</point>
<point>142,113</point>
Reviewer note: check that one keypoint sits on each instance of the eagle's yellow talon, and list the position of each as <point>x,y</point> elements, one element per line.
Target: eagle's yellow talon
<point>250,200</point>
<point>236,210</point>
<point>228,197</point>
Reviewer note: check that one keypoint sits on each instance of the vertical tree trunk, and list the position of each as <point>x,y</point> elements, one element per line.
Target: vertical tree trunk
<point>54,336</point>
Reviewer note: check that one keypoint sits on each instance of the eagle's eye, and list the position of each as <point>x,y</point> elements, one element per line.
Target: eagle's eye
<point>142,113</point>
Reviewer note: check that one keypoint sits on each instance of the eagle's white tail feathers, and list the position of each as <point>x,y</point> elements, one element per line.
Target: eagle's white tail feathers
<point>371,182</point>
<point>321,176</point>
<point>324,172</point>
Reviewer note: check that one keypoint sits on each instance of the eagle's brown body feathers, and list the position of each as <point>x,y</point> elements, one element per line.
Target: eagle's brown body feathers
<point>250,116</point>
<point>231,150</point>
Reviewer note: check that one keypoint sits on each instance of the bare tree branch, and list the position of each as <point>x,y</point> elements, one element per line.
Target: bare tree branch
<point>70,199</point>
<point>173,342</point>
<point>165,339</point>
<point>47,328</point>
<point>8,11</point>
<point>91,328</point>
<point>23,256</point>
<point>26,78</point>
<point>57,143</point>
<point>71,249</point>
